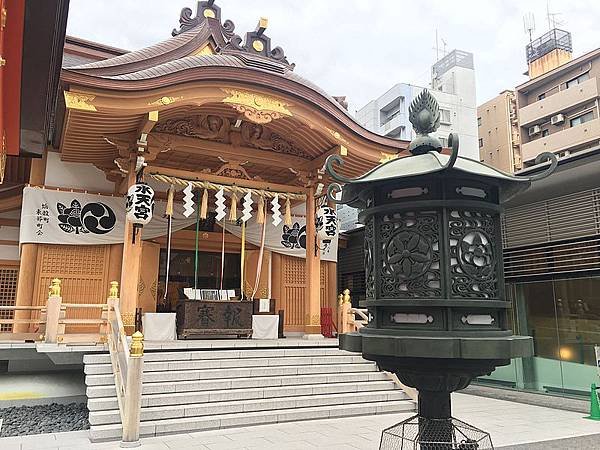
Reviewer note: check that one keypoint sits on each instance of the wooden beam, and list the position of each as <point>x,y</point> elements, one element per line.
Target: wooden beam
<point>319,162</point>
<point>9,222</point>
<point>217,179</point>
<point>227,151</point>
<point>148,123</point>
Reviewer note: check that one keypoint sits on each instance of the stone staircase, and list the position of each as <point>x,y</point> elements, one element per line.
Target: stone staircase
<point>186,391</point>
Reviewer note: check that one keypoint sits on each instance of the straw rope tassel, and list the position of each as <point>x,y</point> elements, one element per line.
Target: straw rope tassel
<point>260,215</point>
<point>170,196</point>
<point>287,218</point>
<point>233,207</point>
<point>204,204</point>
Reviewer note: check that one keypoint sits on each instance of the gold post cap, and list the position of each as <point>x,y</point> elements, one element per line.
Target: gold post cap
<point>137,345</point>
<point>113,292</point>
<point>55,287</point>
<point>347,296</point>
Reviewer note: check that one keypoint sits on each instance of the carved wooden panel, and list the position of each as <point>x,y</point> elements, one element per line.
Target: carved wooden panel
<point>293,290</point>
<point>8,292</point>
<point>83,270</point>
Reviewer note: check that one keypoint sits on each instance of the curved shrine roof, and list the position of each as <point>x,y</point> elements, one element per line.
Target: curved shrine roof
<point>203,42</point>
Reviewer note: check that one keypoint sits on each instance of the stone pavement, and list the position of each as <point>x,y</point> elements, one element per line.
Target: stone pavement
<point>509,424</point>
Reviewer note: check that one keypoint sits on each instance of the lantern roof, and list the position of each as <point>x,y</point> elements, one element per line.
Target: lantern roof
<point>426,159</point>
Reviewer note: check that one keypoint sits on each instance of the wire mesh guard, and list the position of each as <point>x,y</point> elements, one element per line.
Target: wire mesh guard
<point>418,433</point>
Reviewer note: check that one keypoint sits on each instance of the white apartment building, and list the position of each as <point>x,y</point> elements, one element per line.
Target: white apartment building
<point>452,84</point>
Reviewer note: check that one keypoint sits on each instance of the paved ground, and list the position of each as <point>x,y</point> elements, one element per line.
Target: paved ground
<point>509,423</point>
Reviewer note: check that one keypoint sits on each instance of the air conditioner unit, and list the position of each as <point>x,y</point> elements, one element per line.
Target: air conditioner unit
<point>557,119</point>
<point>536,129</point>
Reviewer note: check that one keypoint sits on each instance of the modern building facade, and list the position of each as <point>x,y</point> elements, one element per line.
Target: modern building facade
<point>551,243</point>
<point>498,128</point>
<point>453,86</point>
<point>558,111</point>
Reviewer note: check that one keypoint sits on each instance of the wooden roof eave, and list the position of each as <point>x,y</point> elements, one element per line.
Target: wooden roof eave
<point>363,142</point>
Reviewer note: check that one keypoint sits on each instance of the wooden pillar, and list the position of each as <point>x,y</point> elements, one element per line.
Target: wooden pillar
<point>132,258</point>
<point>312,297</point>
<point>28,261</point>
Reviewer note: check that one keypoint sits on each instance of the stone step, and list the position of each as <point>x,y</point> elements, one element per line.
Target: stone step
<point>280,392</point>
<point>246,406</point>
<point>210,374</point>
<point>201,423</point>
<point>161,366</point>
<point>108,390</point>
<point>104,358</point>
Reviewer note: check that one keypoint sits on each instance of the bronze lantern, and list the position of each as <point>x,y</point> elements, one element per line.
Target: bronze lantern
<point>433,265</point>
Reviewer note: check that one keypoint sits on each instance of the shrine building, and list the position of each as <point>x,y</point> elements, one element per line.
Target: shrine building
<point>232,142</point>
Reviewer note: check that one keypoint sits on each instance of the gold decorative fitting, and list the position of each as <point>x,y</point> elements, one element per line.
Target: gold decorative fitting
<point>75,100</point>
<point>2,61</point>
<point>137,345</point>
<point>256,108</point>
<point>336,134</point>
<point>55,288</point>
<point>165,101</point>
<point>209,13</point>
<point>3,19</point>
<point>315,319</point>
<point>60,338</point>
<point>340,299</point>
<point>113,292</point>
<point>258,45</point>
<point>128,319</point>
<point>385,157</point>
<point>3,159</point>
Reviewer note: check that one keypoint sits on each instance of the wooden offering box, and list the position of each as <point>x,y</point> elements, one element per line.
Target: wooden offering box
<point>213,317</point>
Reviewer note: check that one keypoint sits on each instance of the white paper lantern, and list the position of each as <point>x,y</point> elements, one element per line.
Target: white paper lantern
<point>326,223</point>
<point>140,204</point>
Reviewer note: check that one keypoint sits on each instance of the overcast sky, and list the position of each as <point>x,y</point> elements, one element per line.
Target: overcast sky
<point>361,48</point>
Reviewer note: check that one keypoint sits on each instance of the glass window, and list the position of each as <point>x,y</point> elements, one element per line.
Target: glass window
<point>445,116</point>
<point>480,142</point>
<point>479,121</point>
<point>580,79</point>
<point>582,119</point>
<point>545,133</point>
<point>542,96</point>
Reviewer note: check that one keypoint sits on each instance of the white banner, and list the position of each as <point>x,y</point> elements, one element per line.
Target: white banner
<point>73,218</point>
<point>283,239</point>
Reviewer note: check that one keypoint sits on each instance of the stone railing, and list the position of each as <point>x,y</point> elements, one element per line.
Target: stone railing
<point>128,367</point>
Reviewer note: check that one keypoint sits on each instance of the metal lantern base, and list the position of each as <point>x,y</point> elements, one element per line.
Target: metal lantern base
<point>420,433</point>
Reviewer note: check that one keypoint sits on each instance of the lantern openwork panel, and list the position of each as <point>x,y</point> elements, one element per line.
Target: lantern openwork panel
<point>431,255</point>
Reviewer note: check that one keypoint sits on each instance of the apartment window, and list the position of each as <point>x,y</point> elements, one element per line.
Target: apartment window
<point>444,141</point>
<point>545,133</point>
<point>479,121</point>
<point>582,118</point>
<point>480,142</point>
<point>445,116</point>
<point>542,96</point>
<point>580,79</point>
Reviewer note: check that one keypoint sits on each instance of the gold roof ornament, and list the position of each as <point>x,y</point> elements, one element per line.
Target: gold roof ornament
<point>76,100</point>
<point>256,108</point>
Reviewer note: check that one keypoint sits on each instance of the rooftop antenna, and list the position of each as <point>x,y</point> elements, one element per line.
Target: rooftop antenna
<point>529,24</point>
<point>437,46</point>
<point>553,22</point>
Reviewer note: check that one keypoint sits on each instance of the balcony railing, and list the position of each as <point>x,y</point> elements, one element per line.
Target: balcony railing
<point>563,140</point>
<point>562,100</point>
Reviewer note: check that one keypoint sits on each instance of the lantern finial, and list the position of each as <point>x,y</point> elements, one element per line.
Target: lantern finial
<point>424,114</point>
